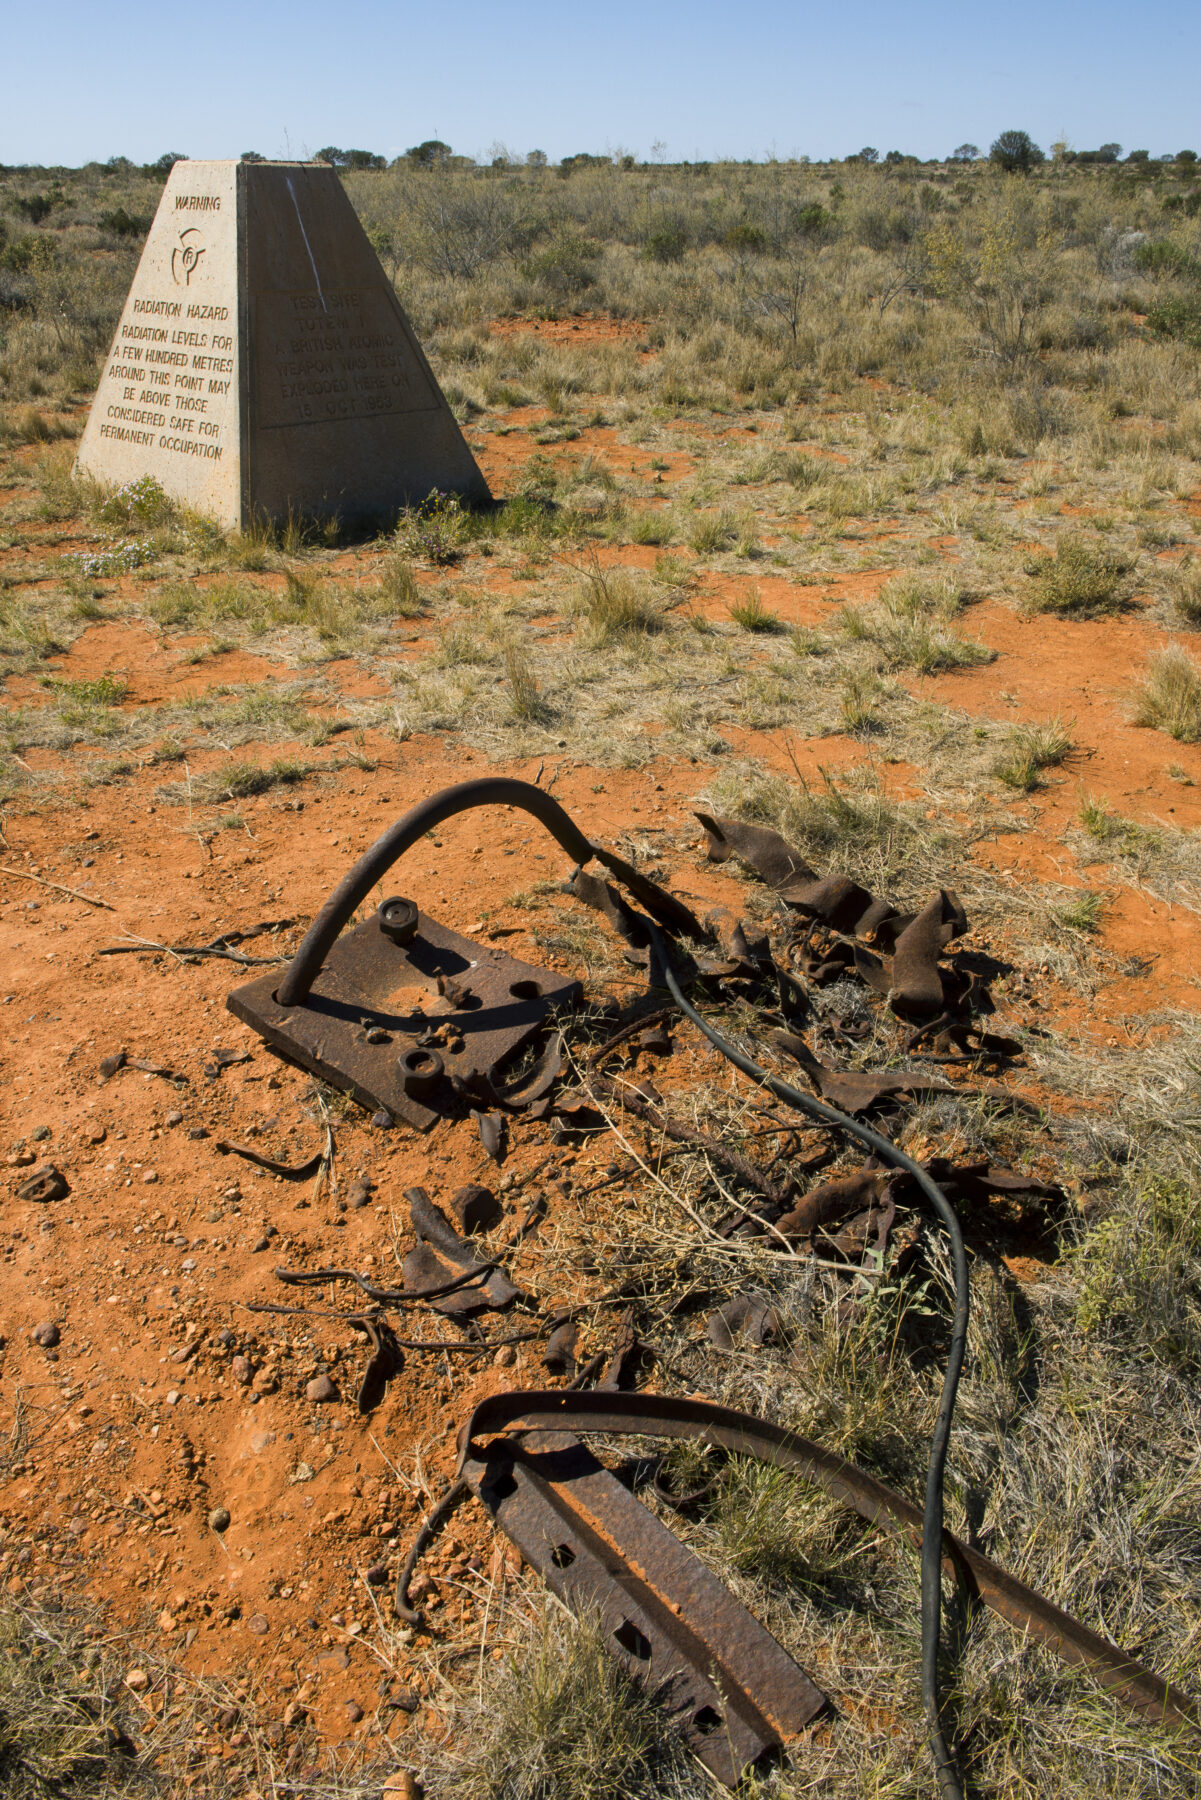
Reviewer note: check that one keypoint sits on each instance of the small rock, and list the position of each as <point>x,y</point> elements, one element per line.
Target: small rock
<point>22,1159</point>
<point>376,1575</point>
<point>294,1712</point>
<point>110,1064</point>
<point>175,1118</point>
<point>228,1717</point>
<point>382,1120</point>
<point>258,1623</point>
<point>219,1519</point>
<point>46,1335</point>
<point>137,1679</point>
<point>242,1370</point>
<point>196,1133</point>
<point>40,1133</point>
<point>265,1382</point>
<point>505,1357</point>
<point>188,1264</point>
<point>320,1388</point>
<point>97,1134</point>
<point>354,1711</point>
<point>174,1397</point>
<point>403,1786</point>
<point>226,1339</point>
<point>149,1177</point>
<point>260,1243</point>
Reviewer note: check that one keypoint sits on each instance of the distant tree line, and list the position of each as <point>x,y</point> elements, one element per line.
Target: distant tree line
<point>1015,152</point>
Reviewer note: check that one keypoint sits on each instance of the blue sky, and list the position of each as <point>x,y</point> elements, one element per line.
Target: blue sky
<point>212,79</point>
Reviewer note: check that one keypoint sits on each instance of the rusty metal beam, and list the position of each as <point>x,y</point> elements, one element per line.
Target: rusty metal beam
<point>655,1415</point>
<point>736,1696</point>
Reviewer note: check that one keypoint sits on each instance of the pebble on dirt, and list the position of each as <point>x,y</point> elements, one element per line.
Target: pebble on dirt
<point>219,1519</point>
<point>321,1388</point>
<point>46,1335</point>
<point>242,1370</point>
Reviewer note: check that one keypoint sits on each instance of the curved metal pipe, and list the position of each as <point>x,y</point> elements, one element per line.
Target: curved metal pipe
<point>373,865</point>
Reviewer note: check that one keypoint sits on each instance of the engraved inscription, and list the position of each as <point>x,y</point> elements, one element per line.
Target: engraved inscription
<point>336,355</point>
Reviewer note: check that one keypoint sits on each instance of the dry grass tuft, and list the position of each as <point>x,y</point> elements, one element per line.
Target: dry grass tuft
<point>1170,698</point>
<point>1033,748</point>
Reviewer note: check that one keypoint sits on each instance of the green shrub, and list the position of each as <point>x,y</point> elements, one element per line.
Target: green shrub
<point>124,224</point>
<point>1083,577</point>
<point>666,245</point>
<point>564,267</point>
<point>1179,319</point>
<point>1033,748</point>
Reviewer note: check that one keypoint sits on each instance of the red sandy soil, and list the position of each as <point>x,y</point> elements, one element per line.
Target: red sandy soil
<point>132,1438</point>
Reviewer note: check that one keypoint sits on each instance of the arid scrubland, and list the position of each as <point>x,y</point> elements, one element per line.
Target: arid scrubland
<point>863,502</point>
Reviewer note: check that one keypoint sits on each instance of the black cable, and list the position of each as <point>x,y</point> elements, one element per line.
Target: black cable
<point>932,1525</point>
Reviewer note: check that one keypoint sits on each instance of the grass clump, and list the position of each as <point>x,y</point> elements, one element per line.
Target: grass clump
<point>908,626</point>
<point>1170,698</point>
<point>617,605</point>
<point>525,700</point>
<point>1031,749</point>
<point>61,1731</point>
<point>1184,592</point>
<point>1139,1275</point>
<point>562,1722</point>
<point>1080,580</point>
<point>751,614</point>
<point>242,780</point>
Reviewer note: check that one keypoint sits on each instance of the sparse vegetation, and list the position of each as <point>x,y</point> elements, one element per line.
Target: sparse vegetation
<point>1030,750</point>
<point>1170,696</point>
<point>1081,578</point>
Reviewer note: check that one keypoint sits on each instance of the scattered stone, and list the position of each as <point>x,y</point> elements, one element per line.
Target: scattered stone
<point>265,1382</point>
<point>228,1717</point>
<point>150,1176</point>
<point>219,1519</point>
<point>505,1357</point>
<point>40,1133</point>
<point>321,1388</point>
<point>97,1134</point>
<point>137,1679</point>
<point>382,1120</point>
<point>260,1243</point>
<point>110,1064</point>
<point>302,1472</point>
<point>22,1159</point>
<point>196,1133</point>
<point>475,1208</point>
<point>175,1118</point>
<point>354,1711</point>
<point>46,1335</point>
<point>403,1786</point>
<point>226,1339</point>
<point>46,1183</point>
<point>376,1575</point>
<point>258,1623</point>
<point>174,1397</point>
<point>294,1712</point>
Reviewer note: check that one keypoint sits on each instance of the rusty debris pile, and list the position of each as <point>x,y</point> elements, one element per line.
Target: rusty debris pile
<point>419,1023</point>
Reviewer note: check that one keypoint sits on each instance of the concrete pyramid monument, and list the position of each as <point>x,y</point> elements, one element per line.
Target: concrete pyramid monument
<point>263,365</point>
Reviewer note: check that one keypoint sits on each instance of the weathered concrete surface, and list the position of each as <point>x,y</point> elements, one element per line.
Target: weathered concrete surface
<point>263,365</point>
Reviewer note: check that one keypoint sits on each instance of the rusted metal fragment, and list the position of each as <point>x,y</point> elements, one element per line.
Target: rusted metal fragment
<point>832,1200</point>
<point>764,851</point>
<point>289,1171</point>
<point>857,1092</point>
<point>604,898</point>
<point>442,1255</point>
<point>630,1362</point>
<point>663,907</point>
<point>376,1022</point>
<point>559,1355</point>
<point>475,1208</point>
<point>747,1320</point>
<point>655,1415</point>
<point>386,1361</point>
<point>733,1692</point>
<point>46,1183</point>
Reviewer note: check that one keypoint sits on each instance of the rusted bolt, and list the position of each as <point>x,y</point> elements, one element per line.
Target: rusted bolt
<point>398,919</point>
<point>420,1070</point>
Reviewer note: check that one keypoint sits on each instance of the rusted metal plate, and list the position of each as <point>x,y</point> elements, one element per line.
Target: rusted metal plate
<point>404,1019</point>
<point>735,1695</point>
